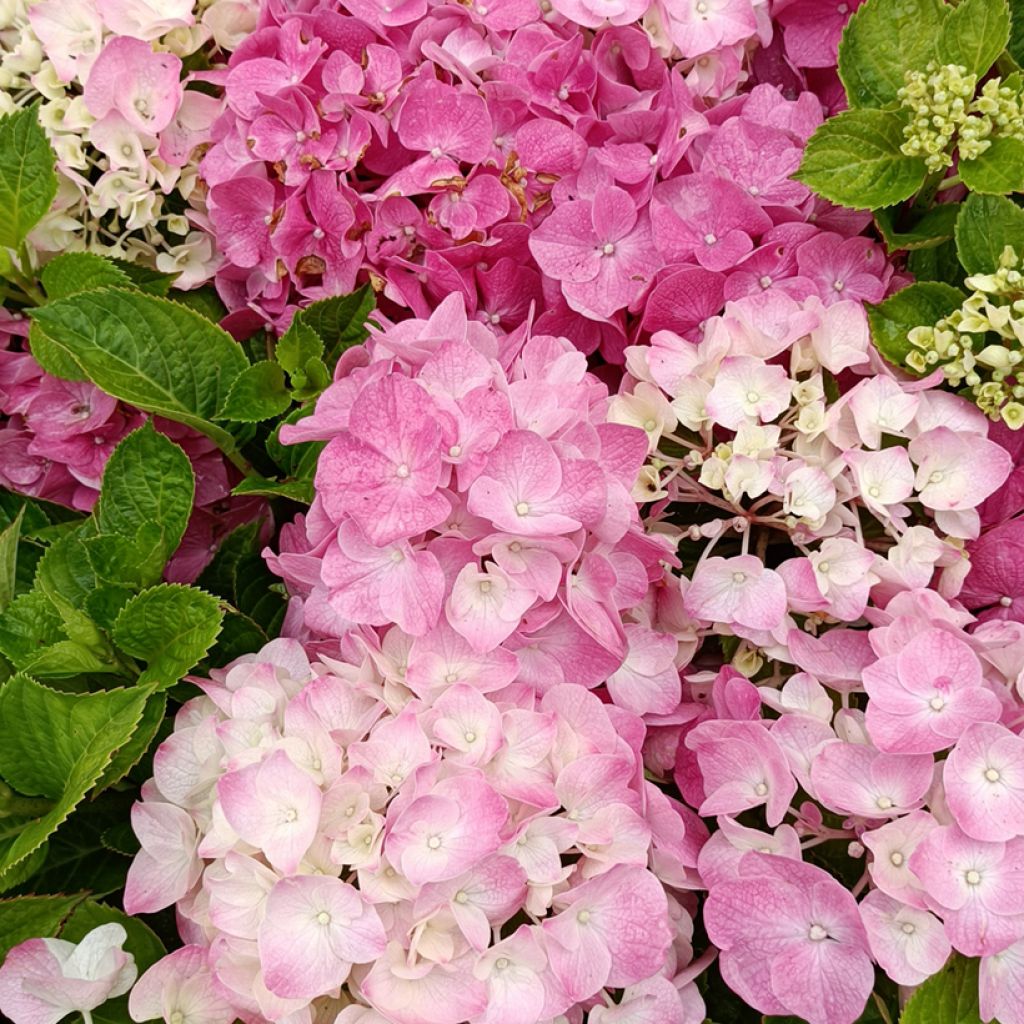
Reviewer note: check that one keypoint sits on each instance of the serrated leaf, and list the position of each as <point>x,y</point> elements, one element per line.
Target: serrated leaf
<point>28,181</point>
<point>53,358</point>
<point>128,756</point>
<point>170,627</point>
<point>74,272</point>
<point>297,345</point>
<point>30,625</point>
<point>949,997</point>
<point>294,490</point>
<point>986,225</point>
<point>65,575</point>
<point>32,511</point>
<point>146,279</point>
<point>134,563</point>
<point>149,352</point>
<point>934,228</point>
<point>147,480</point>
<point>998,171</point>
<point>31,917</point>
<point>27,869</point>
<point>142,941</point>
<point>920,304</point>
<point>58,745</point>
<point>9,539</point>
<point>340,321</point>
<point>883,39</point>
<point>974,34</point>
<point>105,603</point>
<point>258,393</point>
<point>854,160</point>
<point>65,659</point>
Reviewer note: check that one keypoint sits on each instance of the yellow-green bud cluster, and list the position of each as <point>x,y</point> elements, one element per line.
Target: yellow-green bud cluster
<point>938,100</point>
<point>980,346</point>
<point>942,106</point>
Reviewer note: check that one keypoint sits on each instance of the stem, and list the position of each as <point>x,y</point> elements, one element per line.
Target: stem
<point>951,182</point>
<point>928,190</point>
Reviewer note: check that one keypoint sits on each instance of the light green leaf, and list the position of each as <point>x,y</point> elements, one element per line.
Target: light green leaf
<point>30,625</point>
<point>65,575</point>
<point>974,34</point>
<point>986,225</point>
<point>28,181</point>
<point>65,659</point>
<point>73,272</point>
<point>149,352</point>
<point>297,345</point>
<point>920,304</point>
<point>854,159</point>
<point>998,171</point>
<point>949,997</point>
<point>9,560</point>
<point>340,321</point>
<point>128,756</point>
<point>147,481</point>
<point>883,39</point>
<point>934,228</point>
<point>170,627</point>
<point>58,744</point>
<point>32,917</point>
<point>258,393</point>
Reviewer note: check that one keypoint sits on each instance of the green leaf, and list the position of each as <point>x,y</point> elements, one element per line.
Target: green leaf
<point>52,357</point>
<point>294,490</point>
<point>1015,46</point>
<point>65,575</point>
<point>128,756</point>
<point>297,345</point>
<point>30,625</point>
<point>58,745</point>
<point>28,181</point>
<point>258,393</point>
<point>986,225</point>
<point>73,272</point>
<point>105,603</point>
<point>934,228</point>
<point>32,917</point>
<point>239,636</point>
<point>974,34</point>
<point>340,321</point>
<point>134,563</point>
<point>9,560</point>
<point>170,627</point>
<point>146,279</point>
<point>998,171</point>
<point>147,480</point>
<point>854,159</point>
<point>949,997</point>
<point>882,39</point>
<point>149,352</point>
<point>921,303</point>
<point>203,301</point>
<point>939,263</point>
<point>142,941</point>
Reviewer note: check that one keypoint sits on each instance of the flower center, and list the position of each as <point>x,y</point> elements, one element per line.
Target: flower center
<point>607,248</point>
<point>739,577</point>
<point>884,803</point>
<point>522,508</point>
<point>936,703</point>
<point>753,397</point>
<point>434,842</point>
<point>323,918</point>
<point>461,897</point>
<point>402,471</point>
<point>992,775</point>
<point>583,916</point>
<point>935,478</point>
<point>761,789</point>
<point>710,239</point>
<point>817,933</point>
<point>470,737</point>
<point>896,858</point>
<point>907,928</point>
<point>973,877</point>
<point>455,451</point>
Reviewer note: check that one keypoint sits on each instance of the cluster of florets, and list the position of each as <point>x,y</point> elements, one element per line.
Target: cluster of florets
<point>111,81</point>
<point>520,161</point>
<point>56,436</point>
<point>978,346</point>
<point>473,493</point>
<point>837,500</point>
<point>339,840</point>
<point>942,105</point>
